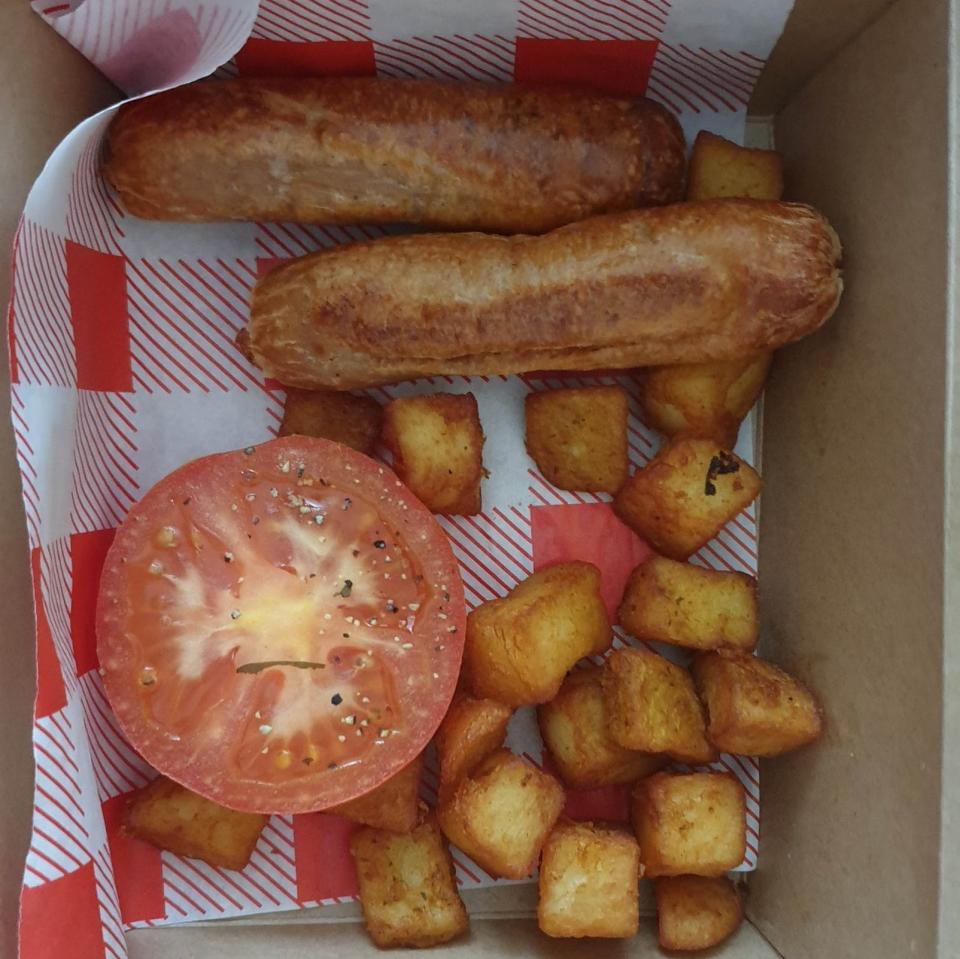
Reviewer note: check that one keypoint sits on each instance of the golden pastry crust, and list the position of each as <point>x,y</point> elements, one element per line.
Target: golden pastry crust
<point>686,283</point>
<point>346,150</point>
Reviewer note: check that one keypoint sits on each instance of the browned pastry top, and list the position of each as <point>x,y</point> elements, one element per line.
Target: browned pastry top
<point>685,283</point>
<point>502,158</point>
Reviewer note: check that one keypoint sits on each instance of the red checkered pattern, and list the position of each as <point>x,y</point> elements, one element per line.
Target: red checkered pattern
<point>124,366</point>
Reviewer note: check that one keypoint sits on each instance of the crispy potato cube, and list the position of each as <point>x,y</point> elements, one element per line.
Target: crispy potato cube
<point>574,727</point>
<point>685,495</point>
<point>707,400</point>
<point>519,648</point>
<point>172,817</point>
<point>578,437</point>
<point>689,823</point>
<point>685,605</point>
<point>652,706</point>
<point>502,814</point>
<point>407,887</point>
<point>720,168</point>
<point>471,730</point>
<point>754,708</point>
<point>437,447</point>
<point>352,420</point>
<point>696,912</point>
<point>393,805</point>
<point>589,883</point>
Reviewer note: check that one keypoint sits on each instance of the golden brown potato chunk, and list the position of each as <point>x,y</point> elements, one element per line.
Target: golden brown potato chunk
<point>172,817</point>
<point>685,605</point>
<point>437,447</point>
<point>394,805</point>
<point>589,883</point>
<point>685,495</point>
<point>502,814</point>
<point>407,887</point>
<point>719,168</point>
<point>578,437</point>
<point>352,420</point>
<point>652,706</point>
<point>689,823</point>
<point>696,912</point>
<point>519,648</point>
<point>471,730</point>
<point>574,727</point>
<point>707,400</point>
<point>754,708</point>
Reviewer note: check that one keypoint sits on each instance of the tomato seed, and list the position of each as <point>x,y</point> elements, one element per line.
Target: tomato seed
<point>167,537</point>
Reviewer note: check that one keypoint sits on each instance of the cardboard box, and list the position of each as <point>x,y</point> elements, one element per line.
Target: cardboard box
<point>858,536</point>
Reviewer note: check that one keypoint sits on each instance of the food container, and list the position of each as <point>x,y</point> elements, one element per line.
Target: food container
<point>860,835</point>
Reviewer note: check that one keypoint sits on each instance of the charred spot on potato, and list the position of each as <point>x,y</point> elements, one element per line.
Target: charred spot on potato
<point>720,465</point>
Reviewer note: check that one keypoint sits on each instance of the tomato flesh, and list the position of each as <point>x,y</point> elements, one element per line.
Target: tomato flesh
<point>280,628</point>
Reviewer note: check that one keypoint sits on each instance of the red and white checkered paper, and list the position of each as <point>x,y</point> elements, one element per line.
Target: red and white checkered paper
<point>123,367</point>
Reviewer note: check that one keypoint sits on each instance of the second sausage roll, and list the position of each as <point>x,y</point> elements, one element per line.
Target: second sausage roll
<point>687,283</point>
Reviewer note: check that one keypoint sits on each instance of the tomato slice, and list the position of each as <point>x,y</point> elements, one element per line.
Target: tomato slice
<point>280,628</point>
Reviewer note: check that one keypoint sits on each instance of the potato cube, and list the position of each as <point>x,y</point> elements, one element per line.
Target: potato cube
<point>519,648</point>
<point>707,400</point>
<point>437,447</point>
<point>689,823</point>
<point>574,727</point>
<point>502,814</point>
<point>407,887</point>
<point>352,420</point>
<point>393,805</point>
<point>471,730</point>
<point>696,912</point>
<point>685,495</point>
<point>652,706</point>
<point>172,817</point>
<point>589,883</point>
<point>578,437</point>
<point>754,708</point>
<point>685,605</point>
<point>719,168</point>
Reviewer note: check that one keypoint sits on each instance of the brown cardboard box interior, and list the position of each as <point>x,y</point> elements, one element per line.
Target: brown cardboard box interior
<point>852,535</point>
<point>854,425</point>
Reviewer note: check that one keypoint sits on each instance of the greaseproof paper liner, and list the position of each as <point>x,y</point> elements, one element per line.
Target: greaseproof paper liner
<point>123,367</point>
